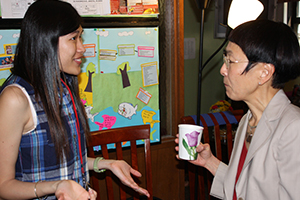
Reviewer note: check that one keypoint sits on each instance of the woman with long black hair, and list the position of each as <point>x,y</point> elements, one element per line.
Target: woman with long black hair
<point>43,124</point>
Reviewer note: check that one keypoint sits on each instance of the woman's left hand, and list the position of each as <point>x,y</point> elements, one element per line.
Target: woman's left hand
<point>123,171</point>
<point>71,190</point>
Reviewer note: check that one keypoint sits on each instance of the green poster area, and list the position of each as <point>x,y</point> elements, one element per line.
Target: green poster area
<point>119,83</point>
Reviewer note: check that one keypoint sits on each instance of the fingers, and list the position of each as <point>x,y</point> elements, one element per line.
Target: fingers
<point>123,171</point>
<point>177,156</point>
<point>93,194</point>
<point>135,172</point>
<point>136,187</point>
<point>176,139</point>
<point>143,191</point>
<point>131,183</point>
<point>71,190</point>
<point>139,189</point>
<point>201,147</point>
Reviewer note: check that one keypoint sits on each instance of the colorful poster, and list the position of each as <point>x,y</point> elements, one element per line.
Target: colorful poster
<point>119,81</point>
<point>8,42</point>
<point>119,84</point>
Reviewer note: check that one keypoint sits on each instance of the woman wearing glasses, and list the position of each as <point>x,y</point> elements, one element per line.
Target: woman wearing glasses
<point>260,58</point>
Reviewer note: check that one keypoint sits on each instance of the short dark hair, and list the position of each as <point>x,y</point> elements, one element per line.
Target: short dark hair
<point>269,42</point>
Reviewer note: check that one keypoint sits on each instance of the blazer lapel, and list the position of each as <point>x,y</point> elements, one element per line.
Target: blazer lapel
<point>258,140</point>
<point>266,124</point>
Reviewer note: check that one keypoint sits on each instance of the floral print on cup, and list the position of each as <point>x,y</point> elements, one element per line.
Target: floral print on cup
<point>191,143</point>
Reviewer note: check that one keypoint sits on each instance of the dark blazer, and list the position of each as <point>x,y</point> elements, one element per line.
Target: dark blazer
<point>272,166</point>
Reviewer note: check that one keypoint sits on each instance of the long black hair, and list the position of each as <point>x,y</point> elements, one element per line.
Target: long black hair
<point>269,42</point>
<point>37,62</point>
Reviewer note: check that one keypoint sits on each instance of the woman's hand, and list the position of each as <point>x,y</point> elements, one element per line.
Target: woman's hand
<point>70,190</point>
<point>205,157</point>
<point>123,171</point>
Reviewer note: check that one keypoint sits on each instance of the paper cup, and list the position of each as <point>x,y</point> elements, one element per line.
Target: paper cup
<point>189,139</point>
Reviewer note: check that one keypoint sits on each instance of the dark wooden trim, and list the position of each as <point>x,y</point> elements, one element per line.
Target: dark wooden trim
<point>171,65</point>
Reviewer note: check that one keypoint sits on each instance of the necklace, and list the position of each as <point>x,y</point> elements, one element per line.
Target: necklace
<point>249,134</point>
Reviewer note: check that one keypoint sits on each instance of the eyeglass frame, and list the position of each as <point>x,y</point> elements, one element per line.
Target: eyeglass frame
<point>227,61</point>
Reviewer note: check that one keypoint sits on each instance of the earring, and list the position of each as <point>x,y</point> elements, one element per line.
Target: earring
<point>259,83</point>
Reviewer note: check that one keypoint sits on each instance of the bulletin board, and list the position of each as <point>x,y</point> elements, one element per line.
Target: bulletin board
<point>119,83</point>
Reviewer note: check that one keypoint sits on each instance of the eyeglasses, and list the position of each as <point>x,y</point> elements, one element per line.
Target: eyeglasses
<point>227,61</point>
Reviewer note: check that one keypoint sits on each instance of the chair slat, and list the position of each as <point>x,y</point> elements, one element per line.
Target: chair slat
<point>104,151</point>
<point>205,132</point>
<point>229,139</point>
<point>192,175</point>
<point>108,179</point>
<point>119,151</point>
<point>134,163</point>
<point>120,157</point>
<point>218,145</point>
<point>148,167</point>
<point>201,172</point>
<point>117,136</point>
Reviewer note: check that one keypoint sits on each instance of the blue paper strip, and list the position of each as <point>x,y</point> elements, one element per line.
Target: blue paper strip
<point>219,118</point>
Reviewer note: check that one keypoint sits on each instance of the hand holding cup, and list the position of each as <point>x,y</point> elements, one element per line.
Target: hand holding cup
<point>189,139</point>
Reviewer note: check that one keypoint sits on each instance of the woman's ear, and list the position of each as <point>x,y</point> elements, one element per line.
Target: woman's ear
<point>267,72</point>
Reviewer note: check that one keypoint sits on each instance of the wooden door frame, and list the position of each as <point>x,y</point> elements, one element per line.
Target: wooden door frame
<point>172,66</point>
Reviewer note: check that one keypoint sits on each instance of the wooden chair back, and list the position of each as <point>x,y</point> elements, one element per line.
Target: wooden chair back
<point>118,136</point>
<point>200,179</point>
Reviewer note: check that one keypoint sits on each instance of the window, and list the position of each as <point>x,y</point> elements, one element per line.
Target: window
<point>297,17</point>
<point>293,16</point>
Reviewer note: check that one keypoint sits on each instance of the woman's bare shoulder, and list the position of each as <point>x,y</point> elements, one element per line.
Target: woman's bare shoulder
<point>15,107</point>
<point>13,97</point>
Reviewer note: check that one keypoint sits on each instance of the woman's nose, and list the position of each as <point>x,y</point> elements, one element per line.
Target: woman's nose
<point>223,70</point>
<point>80,47</point>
